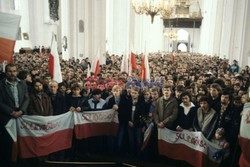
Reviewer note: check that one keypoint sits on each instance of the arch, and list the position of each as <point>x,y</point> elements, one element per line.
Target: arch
<point>182,47</point>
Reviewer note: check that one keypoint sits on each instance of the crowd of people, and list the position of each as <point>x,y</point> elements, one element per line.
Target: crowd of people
<point>186,92</point>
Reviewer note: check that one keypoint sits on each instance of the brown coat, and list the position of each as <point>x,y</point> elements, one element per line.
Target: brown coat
<point>167,116</point>
<point>42,107</point>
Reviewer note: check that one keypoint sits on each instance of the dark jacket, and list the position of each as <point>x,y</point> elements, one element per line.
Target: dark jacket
<point>225,121</point>
<point>186,121</point>
<point>7,102</point>
<point>206,123</point>
<point>215,104</point>
<point>75,102</point>
<point>139,113</point>
<point>42,107</point>
<point>58,103</point>
<point>123,108</point>
<point>110,101</point>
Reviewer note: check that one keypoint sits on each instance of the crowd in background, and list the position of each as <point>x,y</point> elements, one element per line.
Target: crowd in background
<point>192,92</point>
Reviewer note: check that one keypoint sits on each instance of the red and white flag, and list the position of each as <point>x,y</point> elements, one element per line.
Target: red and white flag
<point>95,66</point>
<point>145,73</point>
<point>147,135</point>
<point>39,135</point>
<point>95,123</point>
<point>191,147</point>
<point>54,62</point>
<point>244,139</point>
<point>8,34</point>
<point>132,62</point>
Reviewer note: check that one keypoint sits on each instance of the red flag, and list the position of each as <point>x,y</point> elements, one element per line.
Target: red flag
<point>133,61</point>
<point>144,74</point>
<point>8,35</point>
<point>51,65</point>
<point>143,69</point>
<point>97,68</point>
<point>95,65</point>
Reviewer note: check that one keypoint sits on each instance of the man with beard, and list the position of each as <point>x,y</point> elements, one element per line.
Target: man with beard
<point>40,103</point>
<point>205,119</point>
<point>14,101</point>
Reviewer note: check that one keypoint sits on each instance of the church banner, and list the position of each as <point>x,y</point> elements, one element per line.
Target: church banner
<point>191,147</point>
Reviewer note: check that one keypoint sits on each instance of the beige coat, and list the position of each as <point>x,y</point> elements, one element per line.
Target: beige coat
<point>167,116</point>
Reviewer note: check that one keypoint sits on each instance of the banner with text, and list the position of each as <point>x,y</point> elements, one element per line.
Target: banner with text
<point>191,147</point>
<point>38,135</point>
<point>96,123</point>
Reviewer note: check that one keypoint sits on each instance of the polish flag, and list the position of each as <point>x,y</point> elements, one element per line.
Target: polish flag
<point>191,147</point>
<point>54,62</point>
<point>39,135</point>
<point>95,66</point>
<point>244,138</point>
<point>132,63</point>
<point>147,135</point>
<point>8,35</point>
<point>96,123</point>
<point>124,64</point>
<point>145,73</point>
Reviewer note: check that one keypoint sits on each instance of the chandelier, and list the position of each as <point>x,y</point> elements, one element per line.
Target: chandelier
<point>153,7</point>
<point>171,35</point>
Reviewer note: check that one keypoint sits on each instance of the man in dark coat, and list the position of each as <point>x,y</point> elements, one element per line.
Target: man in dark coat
<point>14,101</point>
<point>57,99</point>
<point>40,103</point>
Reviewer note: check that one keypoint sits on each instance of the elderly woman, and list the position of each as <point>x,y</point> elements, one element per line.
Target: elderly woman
<point>206,118</point>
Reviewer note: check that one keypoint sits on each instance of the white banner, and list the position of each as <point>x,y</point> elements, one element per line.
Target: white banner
<point>186,143</point>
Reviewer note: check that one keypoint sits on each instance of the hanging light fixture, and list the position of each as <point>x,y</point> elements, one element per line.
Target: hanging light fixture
<point>171,34</point>
<point>152,7</point>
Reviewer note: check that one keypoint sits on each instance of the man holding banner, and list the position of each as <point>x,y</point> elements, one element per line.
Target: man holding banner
<point>14,100</point>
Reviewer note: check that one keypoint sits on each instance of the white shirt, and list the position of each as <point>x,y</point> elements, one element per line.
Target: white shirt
<point>187,108</point>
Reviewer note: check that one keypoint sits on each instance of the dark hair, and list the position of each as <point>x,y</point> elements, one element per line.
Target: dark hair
<point>239,78</point>
<point>186,94</point>
<point>96,92</point>
<point>216,86</point>
<point>168,87</point>
<point>8,66</point>
<point>74,86</point>
<point>180,88</point>
<point>37,80</point>
<point>23,75</point>
<point>227,92</point>
<point>205,98</point>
